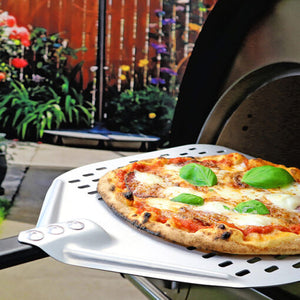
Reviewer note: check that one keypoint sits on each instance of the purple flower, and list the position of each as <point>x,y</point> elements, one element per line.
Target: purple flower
<point>168,21</point>
<point>179,8</point>
<point>37,78</point>
<point>168,71</point>
<point>159,12</point>
<point>160,48</point>
<point>158,80</point>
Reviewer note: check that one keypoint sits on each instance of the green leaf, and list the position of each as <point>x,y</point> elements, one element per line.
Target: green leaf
<point>267,177</point>
<point>252,207</point>
<point>188,199</point>
<point>198,175</point>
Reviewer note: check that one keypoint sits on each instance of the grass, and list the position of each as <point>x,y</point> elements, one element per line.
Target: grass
<point>4,208</point>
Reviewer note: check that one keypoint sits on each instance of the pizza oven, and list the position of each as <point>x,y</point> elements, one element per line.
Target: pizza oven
<point>252,56</point>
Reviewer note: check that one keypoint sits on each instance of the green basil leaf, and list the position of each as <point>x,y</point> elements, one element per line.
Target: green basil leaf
<point>188,199</point>
<point>267,177</point>
<point>198,175</point>
<point>252,207</point>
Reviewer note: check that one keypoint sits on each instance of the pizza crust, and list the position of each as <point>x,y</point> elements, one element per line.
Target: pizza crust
<point>222,239</point>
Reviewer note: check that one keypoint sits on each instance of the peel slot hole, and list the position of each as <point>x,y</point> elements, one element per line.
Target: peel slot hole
<point>88,174</point>
<point>297,265</point>
<point>242,273</point>
<point>209,255</point>
<point>184,153</point>
<point>93,192</point>
<point>271,269</point>
<point>225,263</point>
<point>253,260</point>
<point>203,152</point>
<point>74,181</point>
<point>101,168</point>
<point>83,186</point>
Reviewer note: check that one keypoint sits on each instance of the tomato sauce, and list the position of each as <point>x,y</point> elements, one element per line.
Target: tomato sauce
<point>190,225</point>
<point>270,228</point>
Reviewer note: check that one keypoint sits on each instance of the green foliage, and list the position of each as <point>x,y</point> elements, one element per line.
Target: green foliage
<point>147,111</point>
<point>4,208</point>
<point>47,93</point>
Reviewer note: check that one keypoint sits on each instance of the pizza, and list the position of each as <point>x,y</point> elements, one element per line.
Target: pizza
<point>222,203</point>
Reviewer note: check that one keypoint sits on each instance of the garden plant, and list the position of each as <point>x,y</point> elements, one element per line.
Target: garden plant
<point>38,88</point>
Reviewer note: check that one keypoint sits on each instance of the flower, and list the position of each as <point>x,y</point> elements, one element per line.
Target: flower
<point>125,68</point>
<point>123,77</point>
<point>37,78</point>
<point>143,62</point>
<point>158,80</point>
<point>159,12</point>
<point>168,21</point>
<point>19,63</point>
<point>180,8</point>
<point>194,27</point>
<point>168,71</point>
<point>160,48</point>
<point>153,25</point>
<point>22,34</point>
<point>11,21</point>
<point>2,76</point>
<point>152,115</point>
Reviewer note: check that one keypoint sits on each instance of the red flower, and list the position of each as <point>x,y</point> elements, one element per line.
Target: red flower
<point>22,34</point>
<point>2,76</point>
<point>19,63</point>
<point>11,21</point>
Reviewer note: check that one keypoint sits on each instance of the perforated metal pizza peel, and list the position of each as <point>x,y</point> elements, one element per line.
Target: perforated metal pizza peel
<point>76,227</point>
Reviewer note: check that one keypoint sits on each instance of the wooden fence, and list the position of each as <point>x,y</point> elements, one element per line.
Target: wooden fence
<point>76,20</point>
<point>136,31</point>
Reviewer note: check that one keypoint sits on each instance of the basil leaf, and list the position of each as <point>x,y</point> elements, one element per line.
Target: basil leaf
<point>252,207</point>
<point>188,199</point>
<point>198,175</point>
<point>267,177</point>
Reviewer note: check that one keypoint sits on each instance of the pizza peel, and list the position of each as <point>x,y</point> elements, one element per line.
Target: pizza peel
<point>76,227</point>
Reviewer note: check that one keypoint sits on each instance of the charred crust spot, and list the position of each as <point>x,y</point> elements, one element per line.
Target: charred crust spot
<point>128,195</point>
<point>226,235</point>
<point>112,187</point>
<point>147,215</point>
<point>222,226</point>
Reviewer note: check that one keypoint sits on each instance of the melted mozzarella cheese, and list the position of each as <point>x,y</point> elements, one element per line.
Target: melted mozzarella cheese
<point>285,201</point>
<point>173,191</point>
<point>252,219</point>
<point>213,207</point>
<point>148,178</point>
<point>162,203</point>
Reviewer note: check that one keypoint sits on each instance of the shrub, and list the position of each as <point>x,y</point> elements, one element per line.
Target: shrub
<point>38,89</point>
<point>147,111</point>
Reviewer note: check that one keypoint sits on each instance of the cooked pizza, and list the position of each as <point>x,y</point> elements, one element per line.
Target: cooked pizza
<point>223,203</point>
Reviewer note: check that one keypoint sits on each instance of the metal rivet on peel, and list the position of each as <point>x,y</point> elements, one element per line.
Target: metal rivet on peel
<point>76,225</point>
<point>55,229</point>
<point>35,235</point>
